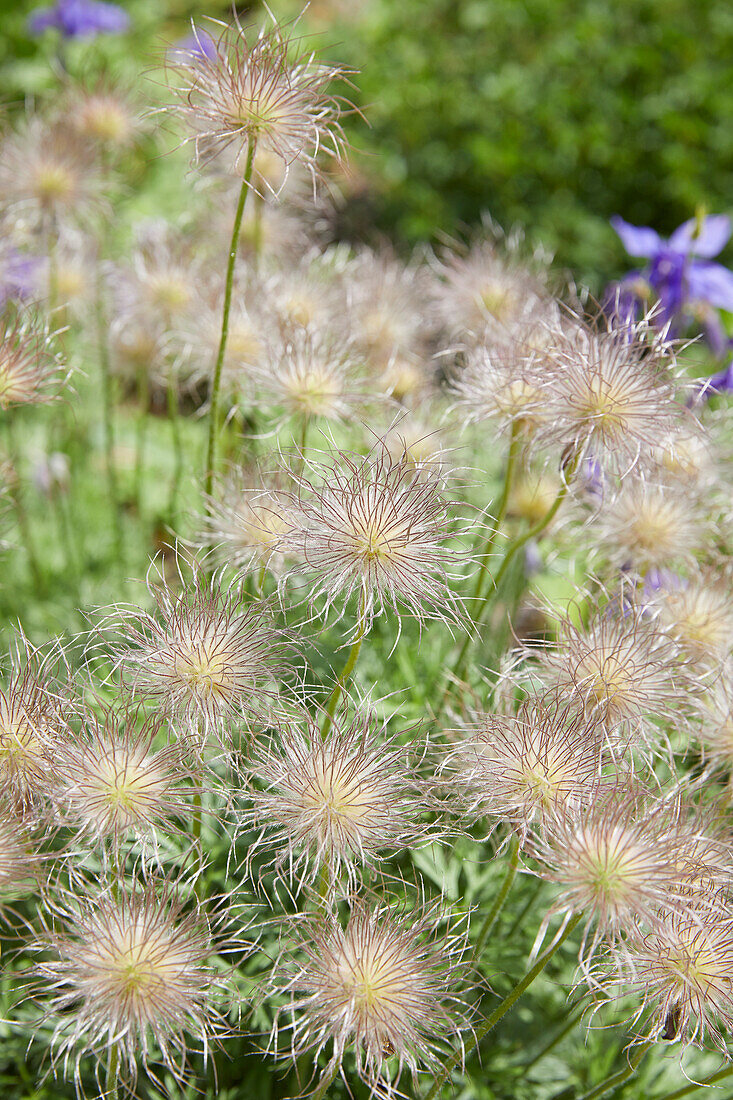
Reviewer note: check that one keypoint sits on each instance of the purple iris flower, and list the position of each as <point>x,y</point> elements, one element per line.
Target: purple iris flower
<point>679,269</point>
<point>722,382</point>
<point>79,18</point>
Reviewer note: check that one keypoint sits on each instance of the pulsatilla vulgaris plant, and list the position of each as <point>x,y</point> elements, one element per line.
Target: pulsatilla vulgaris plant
<point>428,688</point>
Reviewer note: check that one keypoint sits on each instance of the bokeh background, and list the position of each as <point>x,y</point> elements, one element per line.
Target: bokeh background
<point>548,115</point>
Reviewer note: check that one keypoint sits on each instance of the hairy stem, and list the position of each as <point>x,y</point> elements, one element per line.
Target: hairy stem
<point>143,399</point>
<point>503,1007</point>
<point>108,420</point>
<point>567,1027</point>
<point>325,1084</point>
<point>344,677</point>
<point>228,287</point>
<point>501,897</point>
<point>514,449</point>
<point>21,515</point>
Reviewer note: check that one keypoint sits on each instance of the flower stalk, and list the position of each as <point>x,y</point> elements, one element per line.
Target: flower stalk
<point>211,456</point>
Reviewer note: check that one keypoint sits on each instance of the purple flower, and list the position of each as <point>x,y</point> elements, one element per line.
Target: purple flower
<point>198,44</point>
<point>79,18</point>
<point>719,383</point>
<point>18,274</point>
<point>679,269</point>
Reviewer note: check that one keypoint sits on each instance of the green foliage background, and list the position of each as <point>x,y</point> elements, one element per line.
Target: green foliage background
<point>553,114</point>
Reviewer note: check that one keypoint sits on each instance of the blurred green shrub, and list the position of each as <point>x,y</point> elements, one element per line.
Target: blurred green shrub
<point>552,113</point>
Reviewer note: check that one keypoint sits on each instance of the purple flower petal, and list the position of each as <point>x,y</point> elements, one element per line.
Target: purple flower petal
<point>80,18</point>
<point>199,45</point>
<point>711,282</point>
<point>637,240</point>
<point>714,233</point>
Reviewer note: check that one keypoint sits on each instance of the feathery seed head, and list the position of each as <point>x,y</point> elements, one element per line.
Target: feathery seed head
<point>651,525</point>
<point>30,373</point>
<point>112,781</point>
<point>518,769</point>
<point>338,802</point>
<point>309,373</point>
<point>697,613</point>
<point>250,522</point>
<point>385,986</point>
<point>683,969</point>
<point>611,392</point>
<point>378,527</point>
<point>127,972</point>
<point>502,386</point>
<point>249,91</point>
<point>47,169</point>
<point>615,858</point>
<point>620,668</point>
<point>204,656</point>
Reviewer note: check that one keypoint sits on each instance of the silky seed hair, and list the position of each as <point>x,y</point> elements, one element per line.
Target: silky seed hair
<point>612,392</point>
<point>651,525</point>
<point>204,656</point>
<point>30,370</point>
<point>378,529</point>
<point>113,783</point>
<point>334,804</point>
<point>614,858</point>
<point>47,170</point>
<point>696,611</point>
<point>29,735</point>
<point>126,969</point>
<point>620,668</point>
<point>682,969</point>
<point>518,769</point>
<point>387,985</point>
<point>247,524</point>
<point>500,385</point>
<point>257,90</point>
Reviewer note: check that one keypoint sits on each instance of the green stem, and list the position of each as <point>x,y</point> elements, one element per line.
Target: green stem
<point>113,1073</point>
<point>501,897</point>
<point>143,398</point>
<point>524,910</point>
<point>325,1085</point>
<point>503,1007</point>
<point>344,677</point>
<point>21,516</point>
<point>687,1089</point>
<point>514,449</point>
<point>172,401</point>
<point>216,381</point>
<point>108,424</point>
<point>533,532</point>
<point>618,1078</point>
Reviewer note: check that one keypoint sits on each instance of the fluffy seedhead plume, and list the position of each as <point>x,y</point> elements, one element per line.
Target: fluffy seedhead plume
<point>47,171</point>
<point>519,769</point>
<point>339,803</point>
<point>377,528</point>
<point>257,91</point>
<point>29,736</point>
<point>384,986</point>
<point>126,972</point>
<point>683,971</point>
<point>611,393</point>
<point>619,669</point>
<point>203,656</point>
<point>502,386</point>
<point>652,525</point>
<point>309,373</point>
<point>697,612</point>
<point>247,524</point>
<point>30,372</point>
<point>614,858</point>
<point>111,781</point>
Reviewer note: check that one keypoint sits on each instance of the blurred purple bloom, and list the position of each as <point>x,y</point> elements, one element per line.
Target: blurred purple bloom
<point>198,44</point>
<point>79,18</point>
<point>679,269</point>
<point>722,382</point>
<point>18,274</point>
